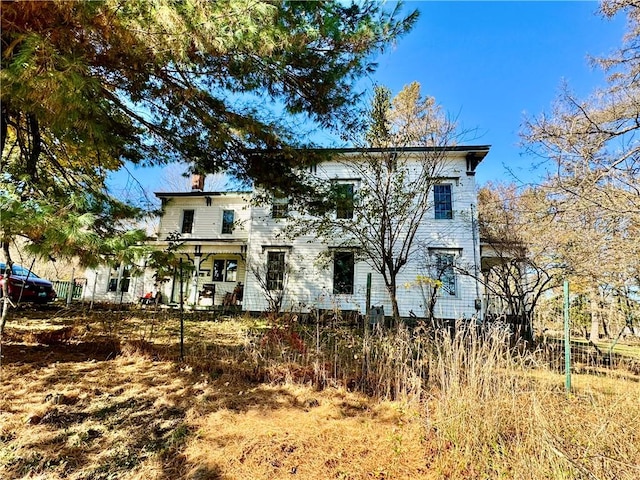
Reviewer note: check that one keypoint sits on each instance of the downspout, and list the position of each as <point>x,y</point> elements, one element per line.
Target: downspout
<point>476,248</point>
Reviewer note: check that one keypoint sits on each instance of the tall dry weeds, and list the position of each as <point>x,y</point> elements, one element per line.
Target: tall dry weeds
<point>492,416</point>
<point>488,411</point>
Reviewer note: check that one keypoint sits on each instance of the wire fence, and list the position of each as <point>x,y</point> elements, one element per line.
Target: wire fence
<point>617,344</point>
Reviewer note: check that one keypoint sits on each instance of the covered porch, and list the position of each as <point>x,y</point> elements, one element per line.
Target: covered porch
<point>212,275</point>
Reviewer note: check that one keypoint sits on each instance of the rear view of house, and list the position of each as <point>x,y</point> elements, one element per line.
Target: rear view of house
<point>240,251</point>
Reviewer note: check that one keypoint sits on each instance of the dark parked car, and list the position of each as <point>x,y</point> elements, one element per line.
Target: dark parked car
<point>25,286</point>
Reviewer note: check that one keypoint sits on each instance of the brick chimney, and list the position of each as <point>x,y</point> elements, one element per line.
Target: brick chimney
<point>197,182</point>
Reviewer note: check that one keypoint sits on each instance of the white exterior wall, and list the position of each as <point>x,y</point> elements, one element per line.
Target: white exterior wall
<point>311,283</point>
<point>98,280</point>
<point>206,234</point>
<point>207,221</point>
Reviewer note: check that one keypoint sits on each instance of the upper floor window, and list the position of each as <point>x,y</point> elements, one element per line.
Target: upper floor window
<point>187,221</point>
<point>279,207</point>
<point>227,221</point>
<point>442,201</point>
<point>275,270</point>
<point>343,272</point>
<point>344,199</point>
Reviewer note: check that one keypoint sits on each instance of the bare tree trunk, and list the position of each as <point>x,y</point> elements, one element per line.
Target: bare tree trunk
<point>4,124</point>
<point>36,146</point>
<point>392,289</point>
<point>605,328</point>
<point>5,288</point>
<point>5,307</point>
<point>433,299</point>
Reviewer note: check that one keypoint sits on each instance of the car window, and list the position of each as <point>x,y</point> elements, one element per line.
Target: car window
<point>19,270</point>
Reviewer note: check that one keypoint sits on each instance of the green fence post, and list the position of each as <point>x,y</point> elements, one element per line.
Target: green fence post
<point>368,306</point>
<point>567,339</point>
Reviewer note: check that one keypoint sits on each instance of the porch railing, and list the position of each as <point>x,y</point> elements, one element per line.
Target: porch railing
<point>62,288</point>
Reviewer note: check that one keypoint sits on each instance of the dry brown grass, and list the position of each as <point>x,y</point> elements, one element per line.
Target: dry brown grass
<point>498,419</point>
<point>110,399</point>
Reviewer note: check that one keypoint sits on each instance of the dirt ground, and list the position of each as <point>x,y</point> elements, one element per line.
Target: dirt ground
<point>78,405</point>
<point>106,396</point>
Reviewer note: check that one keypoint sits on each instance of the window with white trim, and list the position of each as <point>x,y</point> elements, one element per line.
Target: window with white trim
<point>444,271</point>
<point>279,206</point>
<point>187,221</point>
<point>225,270</point>
<point>344,195</point>
<point>275,270</point>
<point>343,272</point>
<point>228,217</point>
<point>442,201</point>
<point>124,274</point>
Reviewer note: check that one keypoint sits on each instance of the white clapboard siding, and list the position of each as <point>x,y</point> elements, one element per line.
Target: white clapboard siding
<point>310,281</point>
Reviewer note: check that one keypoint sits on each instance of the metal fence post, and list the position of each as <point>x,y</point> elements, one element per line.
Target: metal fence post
<point>70,288</point>
<point>181,314</point>
<point>567,339</point>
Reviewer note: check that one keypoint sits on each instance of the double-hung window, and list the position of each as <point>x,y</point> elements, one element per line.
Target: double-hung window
<point>279,207</point>
<point>343,272</point>
<point>275,270</point>
<point>442,201</point>
<point>228,217</point>
<point>187,221</point>
<point>445,272</point>
<point>344,195</point>
<point>123,273</point>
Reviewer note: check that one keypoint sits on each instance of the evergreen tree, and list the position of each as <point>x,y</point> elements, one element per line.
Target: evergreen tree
<point>90,85</point>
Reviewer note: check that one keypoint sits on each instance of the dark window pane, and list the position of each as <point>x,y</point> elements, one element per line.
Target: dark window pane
<point>343,272</point>
<point>275,270</point>
<point>442,201</point>
<point>227,221</point>
<point>125,280</point>
<point>344,200</point>
<point>218,271</point>
<point>187,221</point>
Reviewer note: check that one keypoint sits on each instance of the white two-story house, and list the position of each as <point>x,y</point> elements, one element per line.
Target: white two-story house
<point>239,252</point>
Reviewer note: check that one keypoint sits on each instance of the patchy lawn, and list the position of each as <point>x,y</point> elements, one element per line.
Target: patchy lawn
<point>105,396</point>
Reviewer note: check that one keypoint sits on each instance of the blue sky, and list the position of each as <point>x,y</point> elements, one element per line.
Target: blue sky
<point>489,64</point>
